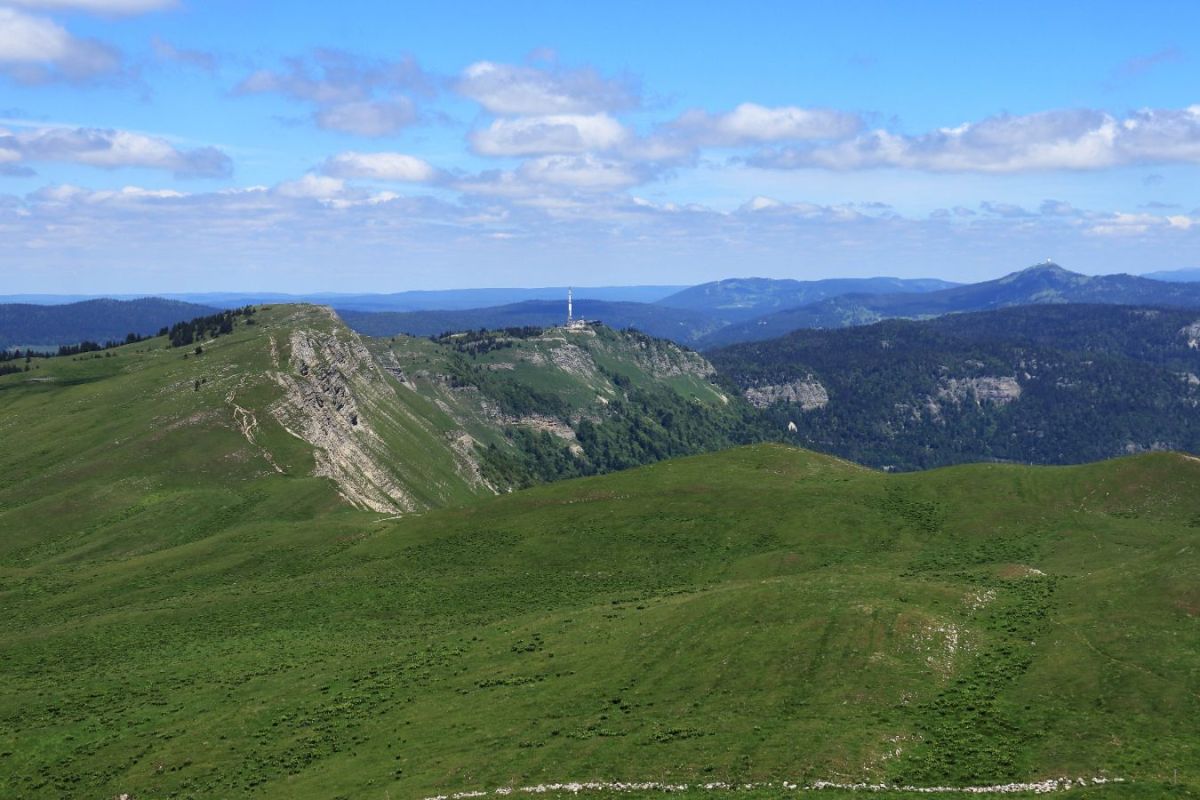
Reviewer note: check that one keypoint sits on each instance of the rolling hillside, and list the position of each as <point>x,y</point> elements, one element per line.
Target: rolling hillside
<point>275,568</point>
<point>1042,284</point>
<point>48,326</point>
<point>762,615</point>
<point>1046,384</point>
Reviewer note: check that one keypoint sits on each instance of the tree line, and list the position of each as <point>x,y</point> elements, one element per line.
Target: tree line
<point>210,326</point>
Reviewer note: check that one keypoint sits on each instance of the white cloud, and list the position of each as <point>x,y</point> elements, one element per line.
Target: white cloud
<point>1127,225</point>
<point>583,173</point>
<point>112,149</point>
<point>312,187</point>
<point>97,6</point>
<point>38,50</point>
<point>515,90</point>
<point>552,134</point>
<point>1051,140</point>
<point>750,123</point>
<point>380,166</point>
<point>27,38</point>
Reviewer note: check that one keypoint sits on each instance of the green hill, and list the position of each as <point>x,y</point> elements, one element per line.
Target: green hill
<point>183,619</point>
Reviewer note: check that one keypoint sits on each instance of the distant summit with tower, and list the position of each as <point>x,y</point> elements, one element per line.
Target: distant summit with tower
<point>572,323</point>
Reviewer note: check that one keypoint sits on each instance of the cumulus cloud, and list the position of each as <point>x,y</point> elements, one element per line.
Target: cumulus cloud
<point>35,50</point>
<point>1051,140</point>
<point>1120,224</point>
<point>750,123</point>
<point>551,134</point>
<point>349,94</point>
<point>583,173</point>
<point>676,143</point>
<point>513,90</point>
<point>312,187</point>
<point>380,167</point>
<point>112,149</point>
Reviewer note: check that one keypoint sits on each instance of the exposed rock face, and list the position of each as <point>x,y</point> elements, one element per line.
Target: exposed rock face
<point>664,359</point>
<point>574,360</point>
<point>1192,334</point>
<point>330,375</point>
<point>806,392</point>
<point>986,389</point>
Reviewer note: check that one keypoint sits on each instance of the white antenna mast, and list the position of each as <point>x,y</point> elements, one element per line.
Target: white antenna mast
<point>570,309</point>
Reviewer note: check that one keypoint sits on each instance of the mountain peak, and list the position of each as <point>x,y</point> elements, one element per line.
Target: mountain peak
<point>1045,270</point>
<point>1048,267</point>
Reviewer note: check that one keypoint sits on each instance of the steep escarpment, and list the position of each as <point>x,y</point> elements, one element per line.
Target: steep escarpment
<point>384,447</point>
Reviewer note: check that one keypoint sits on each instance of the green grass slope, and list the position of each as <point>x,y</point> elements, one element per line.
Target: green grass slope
<point>757,615</point>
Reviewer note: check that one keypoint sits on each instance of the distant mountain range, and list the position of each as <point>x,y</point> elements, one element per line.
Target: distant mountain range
<point>1175,275</point>
<point>48,326</point>
<point>753,297</point>
<point>704,317</point>
<point>1041,284</point>
<point>444,299</point>
<point>687,317</point>
<point>752,309</point>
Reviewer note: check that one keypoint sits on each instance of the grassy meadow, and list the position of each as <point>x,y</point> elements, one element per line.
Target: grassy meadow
<point>186,617</point>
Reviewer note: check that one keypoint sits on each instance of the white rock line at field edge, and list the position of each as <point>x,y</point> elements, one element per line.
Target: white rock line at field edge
<point>1038,787</point>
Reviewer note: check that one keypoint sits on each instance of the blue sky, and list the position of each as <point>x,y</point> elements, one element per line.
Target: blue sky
<point>159,145</point>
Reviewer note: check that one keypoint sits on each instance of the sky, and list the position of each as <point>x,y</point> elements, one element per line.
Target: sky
<point>209,145</point>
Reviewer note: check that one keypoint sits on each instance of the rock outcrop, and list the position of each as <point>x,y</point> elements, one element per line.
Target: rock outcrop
<point>806,392</point>
<point>990,390</point>
<point>331,375</point>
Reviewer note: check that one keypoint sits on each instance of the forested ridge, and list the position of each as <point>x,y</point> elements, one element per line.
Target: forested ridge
<point>1042,384</point>
<point>48,326</point>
